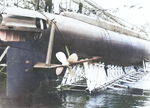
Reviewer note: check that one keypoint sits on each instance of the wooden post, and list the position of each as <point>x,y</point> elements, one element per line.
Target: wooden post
<point>4,3</point>
<point>66,5</point>
<point>144,66</point>
<point>4,53</point>
<point>70,5</point>
<point>50,44</point>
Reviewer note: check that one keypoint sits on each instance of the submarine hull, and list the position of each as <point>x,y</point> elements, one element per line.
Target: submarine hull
<point>84,39</point>
<point>88,40</point>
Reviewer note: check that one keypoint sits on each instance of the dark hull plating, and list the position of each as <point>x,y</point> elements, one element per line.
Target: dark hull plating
<point>87,41</point>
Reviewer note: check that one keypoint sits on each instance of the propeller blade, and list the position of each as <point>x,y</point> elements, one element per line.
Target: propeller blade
<point>59,70</point>
<point>73,58</point>
<point>61,57</point>
<point>71,72</point>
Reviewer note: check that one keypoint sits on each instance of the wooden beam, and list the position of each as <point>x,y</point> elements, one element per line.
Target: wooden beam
<point>4,53</point>
<point>13,28</point>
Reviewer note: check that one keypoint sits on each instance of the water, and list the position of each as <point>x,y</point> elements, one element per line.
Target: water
<point>46,97</point>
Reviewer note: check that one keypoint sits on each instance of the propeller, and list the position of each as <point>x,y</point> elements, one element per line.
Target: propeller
<point>61,57</point>
<point>66,62</point>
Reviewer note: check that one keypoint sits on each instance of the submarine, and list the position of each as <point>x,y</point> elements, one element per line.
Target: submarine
<point>28,34</point>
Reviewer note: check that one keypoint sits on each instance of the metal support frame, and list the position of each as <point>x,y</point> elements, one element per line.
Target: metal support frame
<point>95,77</point>
<point>144,67</point>
<point>50,44</point>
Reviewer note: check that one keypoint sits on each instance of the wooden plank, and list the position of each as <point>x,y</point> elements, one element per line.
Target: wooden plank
<point>13,28</point>
<point>9,36</point>
<point>77,85</point>
<point>119,85</point>
<point>2,35</point>
<point>113,88</point>
<point>4,53</point>
<point>16,36</point>
<point>125,81</point>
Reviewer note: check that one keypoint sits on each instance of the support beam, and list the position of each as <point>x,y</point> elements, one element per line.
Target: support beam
<point>120,85</point>
<point>144,66</point>
<point>113,88</point>
<point>50,45</point>
<point>4,53</point>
